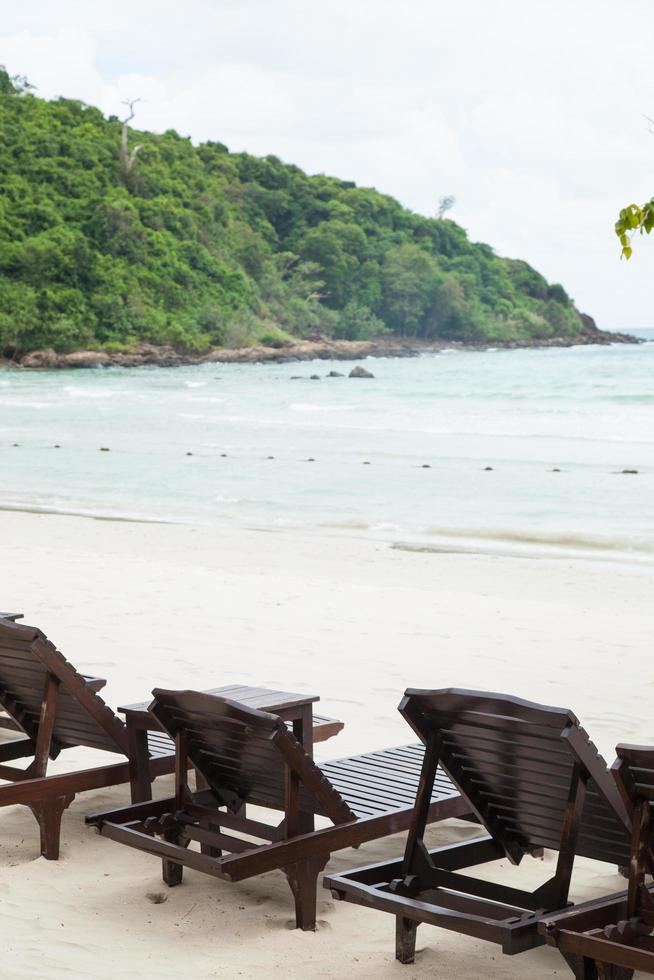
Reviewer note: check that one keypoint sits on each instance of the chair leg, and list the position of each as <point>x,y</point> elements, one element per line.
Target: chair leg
<point>405,939</point>
<point>48,814</point>
<point>303,880</point>
<point>171,872</point>
<point>209,849</point>
<point>606,971</point>
<point>582,967</point>
<point>587,969</point>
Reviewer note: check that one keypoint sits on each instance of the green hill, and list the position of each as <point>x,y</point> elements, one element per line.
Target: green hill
<point>198,247</point>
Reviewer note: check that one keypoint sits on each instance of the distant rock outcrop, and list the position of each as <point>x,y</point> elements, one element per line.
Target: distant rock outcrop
<point>320,348</point>
<point>591,334</point>
<point>141,354</point>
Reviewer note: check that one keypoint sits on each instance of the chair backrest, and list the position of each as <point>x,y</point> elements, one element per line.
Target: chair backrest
<point>515,761</point>
<point>633,771</point>
<point>27,657</point>
<point>244,754</point>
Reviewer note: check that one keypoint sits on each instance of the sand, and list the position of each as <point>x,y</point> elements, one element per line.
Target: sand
<point>342,616</point>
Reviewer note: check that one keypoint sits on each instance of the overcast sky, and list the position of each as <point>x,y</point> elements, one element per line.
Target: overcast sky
<point>530,112</point>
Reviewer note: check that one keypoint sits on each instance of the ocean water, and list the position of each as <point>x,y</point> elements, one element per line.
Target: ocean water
<point>500,450</point>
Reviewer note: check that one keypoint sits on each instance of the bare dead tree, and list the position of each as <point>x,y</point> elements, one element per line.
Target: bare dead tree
<point>446,202</point>
<point>127,159</point>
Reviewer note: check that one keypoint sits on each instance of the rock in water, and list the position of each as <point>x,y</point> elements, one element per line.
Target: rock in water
<point>360,372</point>
<point>335,374</point>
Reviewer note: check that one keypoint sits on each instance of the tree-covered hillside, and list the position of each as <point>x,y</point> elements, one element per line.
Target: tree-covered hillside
<point>198,247</point>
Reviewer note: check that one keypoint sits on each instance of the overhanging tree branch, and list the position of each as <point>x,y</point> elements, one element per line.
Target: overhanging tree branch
<point>635,217</point>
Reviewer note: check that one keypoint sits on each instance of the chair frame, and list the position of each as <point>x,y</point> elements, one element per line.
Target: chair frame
<point>166,827</point>
<point>48,796</point>
<point>613,936</point>
<point>427,885</point>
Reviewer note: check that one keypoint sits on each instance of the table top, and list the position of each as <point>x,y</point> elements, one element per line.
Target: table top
<point>262,698</point>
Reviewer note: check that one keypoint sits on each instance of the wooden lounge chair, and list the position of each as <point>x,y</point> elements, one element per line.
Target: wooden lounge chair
<point>248,756</point>
<point>55,708</point>
<point>611,937</point>
<point>534,780</point>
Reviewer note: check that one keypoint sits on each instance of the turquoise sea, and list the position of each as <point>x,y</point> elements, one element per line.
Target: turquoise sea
<point>403,457</point>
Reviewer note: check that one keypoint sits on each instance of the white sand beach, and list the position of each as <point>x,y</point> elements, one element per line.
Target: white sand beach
<point>342,616</point>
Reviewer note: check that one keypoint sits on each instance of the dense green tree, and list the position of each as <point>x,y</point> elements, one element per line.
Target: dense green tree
<point>337,248</point>
<point>197,247</point>
<point>411,279</point>
<point>358,322</point>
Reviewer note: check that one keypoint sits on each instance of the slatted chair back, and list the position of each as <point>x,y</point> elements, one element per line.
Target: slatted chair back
<point>32,671</point>
<point>245,754</point>
<point>522,766</point>
<point>633,771</point>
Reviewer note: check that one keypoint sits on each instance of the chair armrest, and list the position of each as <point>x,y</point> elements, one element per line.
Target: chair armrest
<point>324,728</point>
<point>95,683</point>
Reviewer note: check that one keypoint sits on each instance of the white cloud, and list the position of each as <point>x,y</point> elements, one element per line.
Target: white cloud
<point>531,114</point>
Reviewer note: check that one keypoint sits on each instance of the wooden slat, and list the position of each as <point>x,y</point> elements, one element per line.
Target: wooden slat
<point>6,721</point>
<point>478,705</point>
<point>20,748</point>
<point>368,794</point>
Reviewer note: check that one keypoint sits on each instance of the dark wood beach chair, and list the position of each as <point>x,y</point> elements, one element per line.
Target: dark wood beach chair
<point>534,780</point>
<point>246,757</point>
<point>55,708</point>
<point>611,937</point>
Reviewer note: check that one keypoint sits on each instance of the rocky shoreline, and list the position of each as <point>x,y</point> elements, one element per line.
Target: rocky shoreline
<point>305,350</point>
